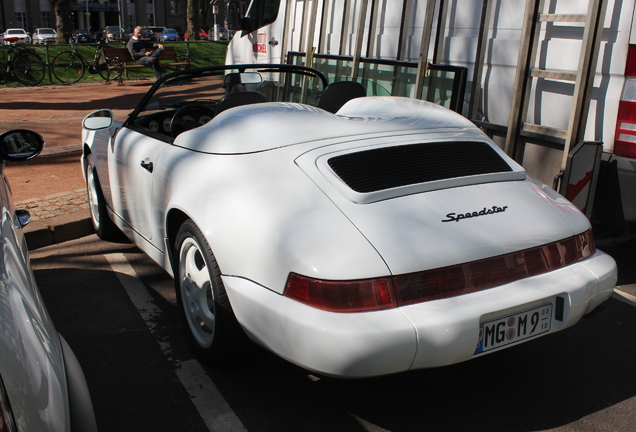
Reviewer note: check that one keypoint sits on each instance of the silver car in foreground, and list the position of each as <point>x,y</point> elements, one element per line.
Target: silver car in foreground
<point>42,386</point>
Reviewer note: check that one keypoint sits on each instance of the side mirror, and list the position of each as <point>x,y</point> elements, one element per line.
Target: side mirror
<point>102,119</point>
<point>234,16</point>
<point>259,14</point>
<point>20,144</point>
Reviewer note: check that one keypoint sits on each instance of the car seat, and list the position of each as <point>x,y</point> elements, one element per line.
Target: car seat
<point>232,100</point>
<point>336,94</point>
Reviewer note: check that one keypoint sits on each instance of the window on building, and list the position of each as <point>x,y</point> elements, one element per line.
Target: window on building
<point>175,7</point>
<point>47,21</point>
<point>21,20</point>
<point>151,19</point>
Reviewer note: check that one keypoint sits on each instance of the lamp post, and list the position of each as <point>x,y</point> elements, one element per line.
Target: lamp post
<point>215,11</point>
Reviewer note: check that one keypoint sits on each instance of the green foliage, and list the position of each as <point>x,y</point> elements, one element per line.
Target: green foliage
<point>201,53</point>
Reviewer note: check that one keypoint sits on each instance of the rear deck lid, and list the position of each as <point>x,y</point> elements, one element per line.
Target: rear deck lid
<point>436,199</point>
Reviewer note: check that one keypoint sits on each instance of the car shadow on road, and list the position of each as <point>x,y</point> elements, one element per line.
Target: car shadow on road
<point>543,384</point>
<point>579,373</point>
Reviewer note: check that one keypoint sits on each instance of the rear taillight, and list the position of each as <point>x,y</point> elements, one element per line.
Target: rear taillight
<point>625,138</point>
<point>388,292</point>
<point>491,272</point>
<point>342,296</point>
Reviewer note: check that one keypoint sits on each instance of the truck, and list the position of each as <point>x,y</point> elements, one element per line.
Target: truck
<point>552,83</point>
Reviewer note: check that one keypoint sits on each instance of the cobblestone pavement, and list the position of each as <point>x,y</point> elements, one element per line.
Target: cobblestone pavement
<point>59,204</point>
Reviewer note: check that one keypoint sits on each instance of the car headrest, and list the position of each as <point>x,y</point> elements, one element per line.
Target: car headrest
<point>338,93</point>
<point>240,98</point>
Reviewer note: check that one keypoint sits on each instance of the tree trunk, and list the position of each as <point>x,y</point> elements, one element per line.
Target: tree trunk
<point>191,28</point>
<point>62,19</point>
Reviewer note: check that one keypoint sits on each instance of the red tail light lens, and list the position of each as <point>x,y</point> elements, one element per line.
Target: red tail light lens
<point>342,296</point>
<point>491,272</point>
<point>389,292</point>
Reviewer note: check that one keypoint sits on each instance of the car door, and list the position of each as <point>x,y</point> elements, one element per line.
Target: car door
<point>132,161</point>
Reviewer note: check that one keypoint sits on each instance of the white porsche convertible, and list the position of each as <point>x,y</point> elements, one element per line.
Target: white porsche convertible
<point>354,236</point>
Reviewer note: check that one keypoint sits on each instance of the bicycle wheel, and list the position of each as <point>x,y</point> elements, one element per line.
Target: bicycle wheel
<point>104,67</point>
<point>68,67</point>
<point>28,68</point>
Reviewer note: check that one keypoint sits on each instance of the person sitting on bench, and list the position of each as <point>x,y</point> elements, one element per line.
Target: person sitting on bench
<point>144,52</point>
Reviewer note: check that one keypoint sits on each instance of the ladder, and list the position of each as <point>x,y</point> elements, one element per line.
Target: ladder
<point>519,130</point>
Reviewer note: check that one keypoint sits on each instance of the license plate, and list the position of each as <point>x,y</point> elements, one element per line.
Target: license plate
<point>514,328</point>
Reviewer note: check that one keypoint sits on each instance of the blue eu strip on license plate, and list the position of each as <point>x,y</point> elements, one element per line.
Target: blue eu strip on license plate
<point>514,328</point>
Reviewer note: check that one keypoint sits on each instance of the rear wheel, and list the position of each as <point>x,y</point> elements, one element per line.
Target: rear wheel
<point>28,68</point>
<point>105,228</point>
<point>68,67</point>
<point>214,333</point>
<point>107,68</point>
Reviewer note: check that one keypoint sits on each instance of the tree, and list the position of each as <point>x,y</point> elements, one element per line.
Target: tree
<point>62,19</point>
<point>191,19</point>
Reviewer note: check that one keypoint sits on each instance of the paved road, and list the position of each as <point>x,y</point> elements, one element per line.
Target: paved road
<point>118,312</point>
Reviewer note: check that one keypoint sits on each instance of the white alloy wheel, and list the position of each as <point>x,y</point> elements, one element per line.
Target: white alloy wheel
<point>214,333</point>
<point>196,293</point>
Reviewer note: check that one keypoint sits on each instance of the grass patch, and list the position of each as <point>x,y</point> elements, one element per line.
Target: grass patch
<point>201,53</point>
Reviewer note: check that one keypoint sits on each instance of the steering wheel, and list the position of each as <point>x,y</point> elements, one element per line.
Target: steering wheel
<point>180,122</point>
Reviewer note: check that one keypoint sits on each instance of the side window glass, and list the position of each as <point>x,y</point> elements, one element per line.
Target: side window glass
<point>259,14</point>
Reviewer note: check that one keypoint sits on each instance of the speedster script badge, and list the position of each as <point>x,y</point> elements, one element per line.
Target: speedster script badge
<point>456,217</point>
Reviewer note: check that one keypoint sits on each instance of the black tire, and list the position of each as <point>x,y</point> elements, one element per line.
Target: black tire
<point>68,67</point>
<point>212,328</point>
<point>28,68</point>
<point>105,228</point>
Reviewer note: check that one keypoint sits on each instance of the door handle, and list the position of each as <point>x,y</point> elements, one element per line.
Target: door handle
<point>147,165</point>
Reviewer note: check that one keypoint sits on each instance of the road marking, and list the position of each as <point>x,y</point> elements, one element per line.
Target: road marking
<point>209,402</point>
<point>624,297</point>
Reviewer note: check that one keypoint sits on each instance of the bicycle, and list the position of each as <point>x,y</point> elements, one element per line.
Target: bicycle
<point>26,65</point>
<point>69,66</point>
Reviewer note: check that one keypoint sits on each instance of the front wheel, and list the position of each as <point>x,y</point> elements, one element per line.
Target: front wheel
<point>105,228</point>
<point>28,68</point>
<point>68,67</point>
<point>212,329</point>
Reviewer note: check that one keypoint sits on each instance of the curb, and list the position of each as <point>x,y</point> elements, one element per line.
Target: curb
<point>58,229</point>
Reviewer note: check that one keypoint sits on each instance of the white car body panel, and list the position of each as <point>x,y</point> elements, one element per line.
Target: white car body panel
<point>256,181</point>
<point>423,335</point>
<point>42,385</point>
<point>31,364</point>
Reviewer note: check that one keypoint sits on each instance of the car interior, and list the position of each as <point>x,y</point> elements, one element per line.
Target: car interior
<point>188,101</point>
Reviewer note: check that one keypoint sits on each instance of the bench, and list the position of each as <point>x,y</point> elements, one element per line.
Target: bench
<point>124,61</point>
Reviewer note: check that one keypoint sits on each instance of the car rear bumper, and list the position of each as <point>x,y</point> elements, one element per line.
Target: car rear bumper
<point>423,335</point>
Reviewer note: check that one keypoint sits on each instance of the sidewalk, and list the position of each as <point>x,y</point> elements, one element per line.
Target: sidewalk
<point>56,112</point>
<point>57,218</point>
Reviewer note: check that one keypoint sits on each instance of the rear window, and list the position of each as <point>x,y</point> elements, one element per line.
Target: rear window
<point>391,167</point>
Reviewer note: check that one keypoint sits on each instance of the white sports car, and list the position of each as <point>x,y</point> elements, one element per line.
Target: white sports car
<point>379,236</point>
